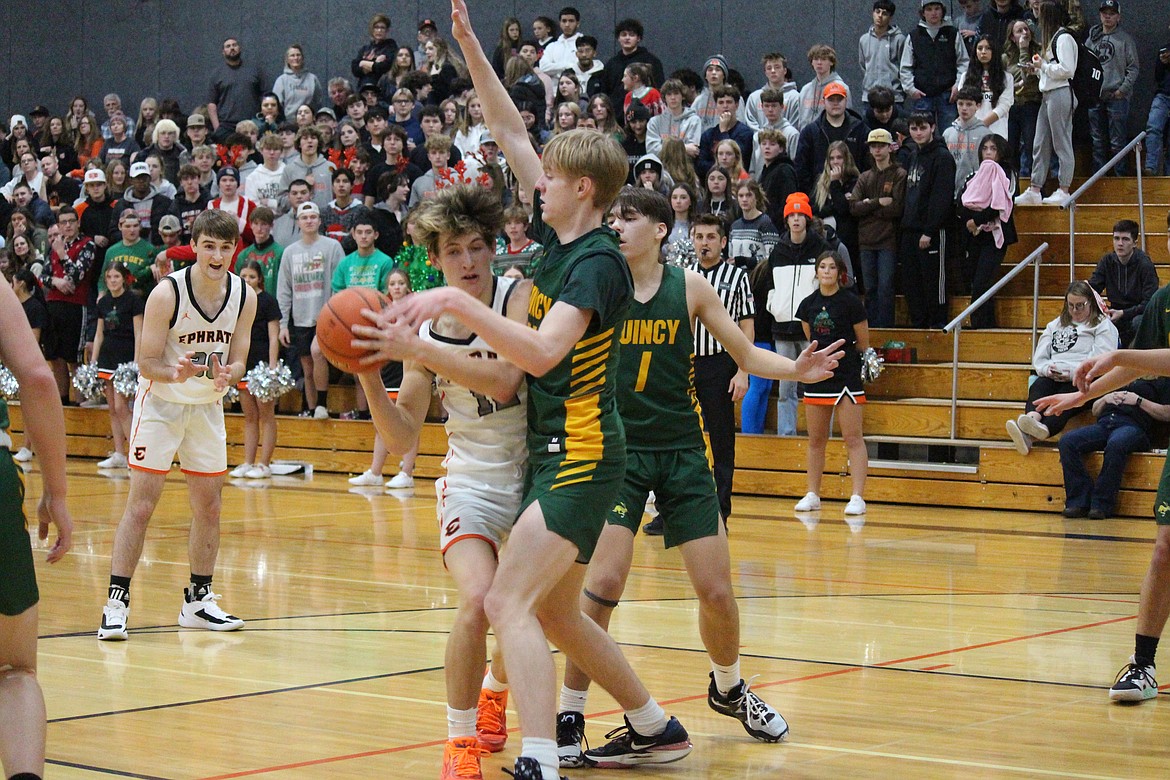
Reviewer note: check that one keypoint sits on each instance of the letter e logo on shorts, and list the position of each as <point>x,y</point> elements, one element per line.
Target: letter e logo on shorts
<point>139,453</point>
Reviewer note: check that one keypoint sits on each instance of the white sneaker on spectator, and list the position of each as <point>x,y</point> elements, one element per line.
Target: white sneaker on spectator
<point>1058,198</point>
<point>1033,427</point>
<point>240,470</point>
<point>401,481</point>
<point>366,479</point>
<point>23,455</point>
<point>1029,197</point>
<point>116,461</point>
<point>93,403</point>
<point>856,506</point>
<point>320,413</point>
<point>810,503</point>
<point>259,471</point>
<point>1022,440</point>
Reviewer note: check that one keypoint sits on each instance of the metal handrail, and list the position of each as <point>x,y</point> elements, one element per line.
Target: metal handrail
<point>955,326</point>
<point>1071,205</point>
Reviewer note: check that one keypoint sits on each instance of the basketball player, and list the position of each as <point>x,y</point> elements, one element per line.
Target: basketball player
<point>1095,377</point>
<point>667,454</point>
<point>576,448</point>
<point>479,498</point>
<point>22,705</point>
<point>195,337</point>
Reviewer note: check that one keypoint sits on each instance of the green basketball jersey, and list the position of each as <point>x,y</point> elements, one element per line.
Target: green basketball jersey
<point>656,374</point>
<point>572,409</point>
<point>4,422</point>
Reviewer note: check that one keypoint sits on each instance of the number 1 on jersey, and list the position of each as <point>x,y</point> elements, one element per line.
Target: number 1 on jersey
<point>643,371</point>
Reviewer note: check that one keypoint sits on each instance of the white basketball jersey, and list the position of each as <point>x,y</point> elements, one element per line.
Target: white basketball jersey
<point>485,437</point>
<point>204,333</point>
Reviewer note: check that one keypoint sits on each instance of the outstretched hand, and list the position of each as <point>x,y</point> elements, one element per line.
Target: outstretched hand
<point>813,365</point>
<point>1055,404</point>
<point>417,308</point>
<point>386,338</point>
<point>1093,368</point>
<point>221,376</point>
<point>53,511</point>
<point>460,22</point>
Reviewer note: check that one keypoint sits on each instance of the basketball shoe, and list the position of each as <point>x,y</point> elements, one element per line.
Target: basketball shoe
<point>629,748</point>
<point>527,768</point>
<point>756,715</point>
<point>115,615</point>
<point>203,612</point>
<point>1134,683</point>
<point>570,737</point>
<point>491,720</point>
<point>461,759</point>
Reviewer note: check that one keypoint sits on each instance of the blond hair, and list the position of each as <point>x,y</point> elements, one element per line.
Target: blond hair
<point>587,154</point>
<point>458,211</point>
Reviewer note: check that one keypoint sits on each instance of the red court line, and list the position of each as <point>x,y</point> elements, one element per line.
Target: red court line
<point>683,699</point>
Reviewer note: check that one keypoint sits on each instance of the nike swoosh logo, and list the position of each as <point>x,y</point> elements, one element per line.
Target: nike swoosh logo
<point>635,745</point>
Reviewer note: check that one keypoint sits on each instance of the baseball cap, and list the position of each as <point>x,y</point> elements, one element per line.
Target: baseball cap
<point>307,207</point>
<point>931,2</point>
<point>228,170</point>
<point>95,176</point>
<point>39,110</point>
<point>326,111</point>
<point>835,88</point>
<point>486,138</point>
<point>170,224</point>
<point>638,111</point>
<point>1110,5</point>
<point>879,136</point>
<point>139,169</point>
<point>17,119</point>
<point>425,23</point>
<point>797,203</point>
<point>196,120</point>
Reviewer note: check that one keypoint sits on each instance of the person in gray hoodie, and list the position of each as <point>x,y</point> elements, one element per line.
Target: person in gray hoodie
<point>823,59</point>
<point>715,71</point>
<point>1119,62</point>
<point>677,121</point>
<point>310,166</point>
<point>964,134</point>
<point>879,52</point>
<point>297,87</point>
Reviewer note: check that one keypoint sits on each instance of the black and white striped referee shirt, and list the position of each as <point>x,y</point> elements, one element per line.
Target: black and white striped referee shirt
<point>731,285</point>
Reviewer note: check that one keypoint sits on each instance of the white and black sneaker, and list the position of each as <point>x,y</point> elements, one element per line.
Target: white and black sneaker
<point>756,715</point>
<point>570,738</point>
<point>115,615</point>
<point>527,768</point>
<point>629,748</point>
<point>205,613</point>
<point>1134,683</point>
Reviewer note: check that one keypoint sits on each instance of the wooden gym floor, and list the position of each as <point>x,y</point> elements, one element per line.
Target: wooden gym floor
<point>928,643</point>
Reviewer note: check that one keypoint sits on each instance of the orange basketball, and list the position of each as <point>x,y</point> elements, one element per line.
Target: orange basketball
<point>336,320</point>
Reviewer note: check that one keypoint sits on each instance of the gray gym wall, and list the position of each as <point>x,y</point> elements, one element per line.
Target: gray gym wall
<point>51,50</point>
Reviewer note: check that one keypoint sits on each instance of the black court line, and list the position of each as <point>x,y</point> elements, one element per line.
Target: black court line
<point>103,770</point>
<point>254,694</point>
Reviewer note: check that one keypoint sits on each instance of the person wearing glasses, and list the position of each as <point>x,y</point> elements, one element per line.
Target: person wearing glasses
<point>1083,331</point>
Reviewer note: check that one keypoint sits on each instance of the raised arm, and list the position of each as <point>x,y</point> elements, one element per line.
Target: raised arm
<point>499,112</point>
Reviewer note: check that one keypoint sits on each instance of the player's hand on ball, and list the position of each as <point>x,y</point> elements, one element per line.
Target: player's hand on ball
<point>221,376</point>
<point>391,339</point>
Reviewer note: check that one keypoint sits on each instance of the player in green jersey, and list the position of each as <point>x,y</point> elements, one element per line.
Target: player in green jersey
<point>575,440</point>
<point>667,454</point>
<point>1096,377</point>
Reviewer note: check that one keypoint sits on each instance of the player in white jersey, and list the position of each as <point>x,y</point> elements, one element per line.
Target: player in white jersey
<point>479,498</point>
<point>195,337</point>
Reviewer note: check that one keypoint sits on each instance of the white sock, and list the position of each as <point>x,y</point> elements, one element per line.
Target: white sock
<point>649,719</point>
<point>460,723</point>
<point>544,751</point>
<point>726,677</point>
<point>492,684</point>
<point>573,701</point>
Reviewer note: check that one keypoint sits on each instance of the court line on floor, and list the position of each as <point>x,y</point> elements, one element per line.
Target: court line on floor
<point>102,770</point>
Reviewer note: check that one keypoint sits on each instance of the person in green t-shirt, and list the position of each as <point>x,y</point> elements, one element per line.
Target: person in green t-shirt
<point>264,251</point>
<point>1096,377</point>
<point>134,252</point>
<point>576,443</point>
<point>367,266</point>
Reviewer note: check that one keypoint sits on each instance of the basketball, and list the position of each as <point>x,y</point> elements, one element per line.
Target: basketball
<point>336,320</point>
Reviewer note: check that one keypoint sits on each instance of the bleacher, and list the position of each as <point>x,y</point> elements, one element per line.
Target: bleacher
<point>907,419</point>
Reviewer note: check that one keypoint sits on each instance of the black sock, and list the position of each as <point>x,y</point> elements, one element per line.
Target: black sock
<point>25,776</point>
<point>200,585</point>
<point>1145,647</point>
<point>120,589</point>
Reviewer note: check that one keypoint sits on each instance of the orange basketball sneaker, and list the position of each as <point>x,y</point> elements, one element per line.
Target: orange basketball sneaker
<point>491,722</point>
<point>461,759</point>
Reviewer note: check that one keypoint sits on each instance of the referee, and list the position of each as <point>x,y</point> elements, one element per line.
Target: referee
<point>719,382</point>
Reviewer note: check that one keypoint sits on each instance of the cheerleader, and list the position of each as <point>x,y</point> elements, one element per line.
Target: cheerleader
<point>119,327</point>
<point>832,313</point>
<point>259,416</point>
